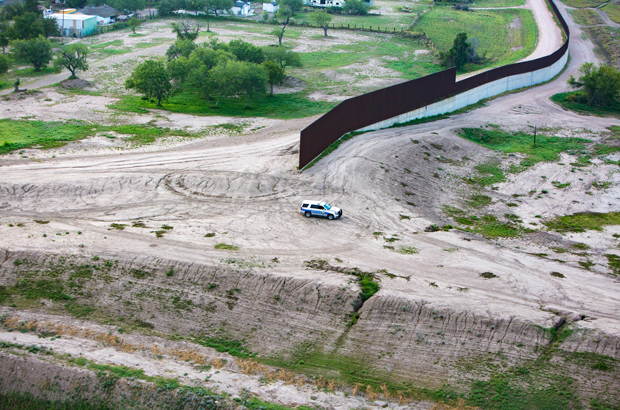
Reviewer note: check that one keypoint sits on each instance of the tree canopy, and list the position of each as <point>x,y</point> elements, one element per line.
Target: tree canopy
<point>38,51</point>
<point>73,58</point>
<point>321,19</point>
<point>599,84</point>
<point>461,53</point>
<point>151,79</point>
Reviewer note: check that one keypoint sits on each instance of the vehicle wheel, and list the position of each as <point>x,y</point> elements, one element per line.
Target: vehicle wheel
<point>308,214</point>
<point>330,217</point>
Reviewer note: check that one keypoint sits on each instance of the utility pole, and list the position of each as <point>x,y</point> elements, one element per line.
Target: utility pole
<point>62,29</point>
<point>534,135</point>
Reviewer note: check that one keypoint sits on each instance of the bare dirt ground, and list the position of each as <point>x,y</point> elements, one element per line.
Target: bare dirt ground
<point>247,191</point>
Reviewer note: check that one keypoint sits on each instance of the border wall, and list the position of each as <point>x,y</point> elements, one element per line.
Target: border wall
<point>434,94</point>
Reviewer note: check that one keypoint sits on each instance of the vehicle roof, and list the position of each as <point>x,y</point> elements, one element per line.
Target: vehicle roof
<point>309,201</point>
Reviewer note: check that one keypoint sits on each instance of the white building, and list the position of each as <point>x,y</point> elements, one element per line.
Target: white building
<point>241,8</point>
<point>271,7</point>
<point>75,24</point>
<point>326,3</point>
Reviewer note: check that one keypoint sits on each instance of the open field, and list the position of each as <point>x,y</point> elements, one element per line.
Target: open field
<point>613,11</point>
<point>586,17</point>
<point>156,258</point>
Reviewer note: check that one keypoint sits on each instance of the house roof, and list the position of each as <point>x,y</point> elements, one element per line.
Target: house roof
<point>69,17</point>
<point>240,4</point>
<point>101,11</point>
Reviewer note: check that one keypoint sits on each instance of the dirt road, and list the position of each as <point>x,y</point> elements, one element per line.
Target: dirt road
<point>247,191</point>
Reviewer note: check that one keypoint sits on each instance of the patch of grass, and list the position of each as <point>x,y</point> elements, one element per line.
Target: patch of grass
<point>557,275</point>
<point>280,106</point>
<point>560,185</point>
<point>226,247</point>
<point>20,134</point>
<point>52,289</point>
<point>547,149</point>
<point>489,174</point>
<point>613,261</point>
<point>488,275</point>
<point>210,235</point>
<point>26,401</point>
<point>568,101</point>
<point>580,246</point>
<point>586,17</point>
<point>583,3</point>
<point>584,221</point>
<point>478,201</point>
<point>408,250</point>
<point>120,227</point>
<point>613,11</point>
<point>222,345</point>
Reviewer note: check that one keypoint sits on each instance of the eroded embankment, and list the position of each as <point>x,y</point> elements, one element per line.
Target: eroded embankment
<point>305,325</point>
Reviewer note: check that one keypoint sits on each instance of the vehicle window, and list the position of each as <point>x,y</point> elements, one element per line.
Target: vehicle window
<point>319,207</point>
<point>314,207</point>
<point>304,206</point>
<point>328,206</point>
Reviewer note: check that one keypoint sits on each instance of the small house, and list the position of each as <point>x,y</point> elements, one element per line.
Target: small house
<point>326,3</point>
<point>271,7</point>
<point>241,8</point>
<point>75,24</point>
<point>104,14</point>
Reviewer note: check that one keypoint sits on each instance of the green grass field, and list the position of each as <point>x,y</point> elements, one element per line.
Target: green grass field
<point>583,3</point>
<point>563,99</point>
<point>586,17</point>
<point>280,106</point>
<point>613,11</point>
<point>489,27</point>
<point>546,148</point>
<point>20,134</point>
<point>7,79</point>
<point>498,3</point>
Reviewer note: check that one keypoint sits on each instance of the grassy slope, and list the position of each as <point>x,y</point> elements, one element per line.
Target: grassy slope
<point>490,27</point>
<point>613,11</point>
<point>583,3</point>
<point>19,134</point>
<point>586,17</point>
<point>563,100</point>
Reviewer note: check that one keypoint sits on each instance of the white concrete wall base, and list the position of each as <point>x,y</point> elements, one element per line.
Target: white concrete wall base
<point>474,95</point>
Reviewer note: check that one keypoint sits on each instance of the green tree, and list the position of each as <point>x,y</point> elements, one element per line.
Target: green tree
<point>275,74</point>
<point>252,80</point>
<point>4,39</point>
<point>151,79</point>
<point>166,8</point>
<point>215,6</point>
<point>26,26</point>
<point>5,63</point>
<point>185,30</point>
<point>36,50</point>
<point>130,5</point>
<point>355,7</point>
<point>180,48</point>
<point>282,56</point>
<point>245,51</point>
<point>457,56</point>
<point>75,4</point>
<point>133,24</point>
<point>73,58</point>
<point>286,10</point>
<point>179,70</point>
<point>321,19</point>
<point>600,85</point>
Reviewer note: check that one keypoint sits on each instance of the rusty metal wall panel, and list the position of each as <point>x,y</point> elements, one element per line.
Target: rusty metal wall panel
<point>371,108</point>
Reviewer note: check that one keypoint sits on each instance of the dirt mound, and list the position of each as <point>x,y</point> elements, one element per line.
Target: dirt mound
<point>76,83</point>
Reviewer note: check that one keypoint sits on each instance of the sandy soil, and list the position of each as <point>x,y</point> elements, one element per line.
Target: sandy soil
<point>247,189</point>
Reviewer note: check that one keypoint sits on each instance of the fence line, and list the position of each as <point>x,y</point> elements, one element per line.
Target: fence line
<point>371,108</point>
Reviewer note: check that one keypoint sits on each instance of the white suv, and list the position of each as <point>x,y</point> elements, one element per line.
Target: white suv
<point>319,208</point>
